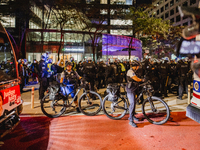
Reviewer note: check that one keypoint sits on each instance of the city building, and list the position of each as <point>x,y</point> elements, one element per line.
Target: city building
<point>168,10</point>
<point>35,31</point>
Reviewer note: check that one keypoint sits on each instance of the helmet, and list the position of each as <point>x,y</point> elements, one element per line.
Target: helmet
<point>89,59</point>
<point>69,63</point>
<point>43,57</point>
<point>135,63</point>
<point>111,60</point>
<point>166,59</point>
<point>101,60</point>
<point>50,61</point>
<point>136,58</point>
<point>72,59</point>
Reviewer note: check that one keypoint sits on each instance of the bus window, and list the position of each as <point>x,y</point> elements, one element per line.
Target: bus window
<point>7,61</point>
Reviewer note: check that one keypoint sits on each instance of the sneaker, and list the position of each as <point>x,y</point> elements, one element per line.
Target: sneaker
<point>133,124</point>
<point>78,110</point>
<point>179,98</point>
<point>136,119</point>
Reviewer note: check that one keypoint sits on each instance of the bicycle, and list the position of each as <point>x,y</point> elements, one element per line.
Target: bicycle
<point>54,104</point>
<point>154,109</point>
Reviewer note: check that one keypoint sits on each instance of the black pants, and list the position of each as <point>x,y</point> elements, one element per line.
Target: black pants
<point>22,83</point>
<point>43,87</point>
<point>163,85</point>
<point>101,82</point>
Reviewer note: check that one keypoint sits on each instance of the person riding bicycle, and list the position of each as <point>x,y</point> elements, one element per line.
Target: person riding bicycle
<point>131,86</point>
<point>70,79</point>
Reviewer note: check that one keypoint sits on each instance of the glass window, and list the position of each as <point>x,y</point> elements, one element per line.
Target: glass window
<point>178,1</point>
<point>103,2</point>
<point>176,9</point>
<point>7,60</point>
<point>162,9</point>
<point>158,12</point>
<point>178,18</point>
<point>171,12</point>
<point>166,15</point>
<point>166,6</point>
<point>185,3</point>
<point>185,24</point>
<point>172,20</point>
<point>162,17</point>
<point>8,21</point>
<point>192,2</point>
<point>171,3</point>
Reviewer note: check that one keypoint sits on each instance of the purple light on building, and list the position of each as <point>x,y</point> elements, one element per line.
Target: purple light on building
<point>116,44</point>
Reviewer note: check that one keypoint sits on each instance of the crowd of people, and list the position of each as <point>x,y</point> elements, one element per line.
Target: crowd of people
<point>166,76</point>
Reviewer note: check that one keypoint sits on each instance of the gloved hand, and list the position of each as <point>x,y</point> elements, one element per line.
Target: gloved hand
<point>143,80</point>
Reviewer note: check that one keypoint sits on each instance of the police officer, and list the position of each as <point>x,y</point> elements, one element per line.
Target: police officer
<point>164,75</point>
<point>70,80</point>
<point>74,63</point>
<point>42,76</point>
<point>123,71</point>
<point>22,73</point>
<point>89,72</point>
<point>50,70</point>
<point>131,86</point>
<point>101,74</point>
<point>111,72</point>
<point>182,69</point>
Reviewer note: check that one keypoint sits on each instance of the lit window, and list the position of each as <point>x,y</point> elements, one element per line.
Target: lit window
<point>8,21</point>
<point>120,22</point>
<point>104,1</point>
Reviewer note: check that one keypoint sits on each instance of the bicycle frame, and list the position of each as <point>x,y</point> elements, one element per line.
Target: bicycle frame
<point>76,95</point>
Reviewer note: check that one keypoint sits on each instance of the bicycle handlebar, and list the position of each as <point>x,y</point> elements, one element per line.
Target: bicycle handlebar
<point>148,82</point>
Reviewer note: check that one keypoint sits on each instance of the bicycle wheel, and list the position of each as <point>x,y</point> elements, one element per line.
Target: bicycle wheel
<point>90,103</point>
<point>155,110</point>
<point>115,110</point>
<point>53,108</point>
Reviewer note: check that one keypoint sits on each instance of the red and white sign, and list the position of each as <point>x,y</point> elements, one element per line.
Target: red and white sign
<point>11,98</point>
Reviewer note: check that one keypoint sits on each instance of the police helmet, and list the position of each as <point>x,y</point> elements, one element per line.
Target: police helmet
<point>43,57</point>
<point>111,60</point>
<point>136,58</point>
<point>166,59</point>
<point>50,61</point>
<point>69,63</point>
<point>89,59</point>
<point>135,63</point>
<point>72,59</point>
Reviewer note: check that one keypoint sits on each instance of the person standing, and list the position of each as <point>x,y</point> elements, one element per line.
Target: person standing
<point>89,72</point>
<point>34,69</point>
<point>182,69</point>
<point>42,76</point>
<point>131,86</point>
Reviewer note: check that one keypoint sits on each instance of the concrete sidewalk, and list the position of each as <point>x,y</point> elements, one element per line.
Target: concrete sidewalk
<point>175,104</point>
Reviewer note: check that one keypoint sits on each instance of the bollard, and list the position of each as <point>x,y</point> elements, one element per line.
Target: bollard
<point>32,98</point>
<point>189,93</point>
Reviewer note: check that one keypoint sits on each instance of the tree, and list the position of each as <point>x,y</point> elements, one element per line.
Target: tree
<point>64,16</point>
<point>96,22</point>
<point>142,24</point>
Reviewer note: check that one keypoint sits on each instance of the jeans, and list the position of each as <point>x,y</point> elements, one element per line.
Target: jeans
<point>131,98</point>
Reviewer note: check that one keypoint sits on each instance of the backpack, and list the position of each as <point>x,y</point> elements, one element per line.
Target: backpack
<point>113,91</point>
